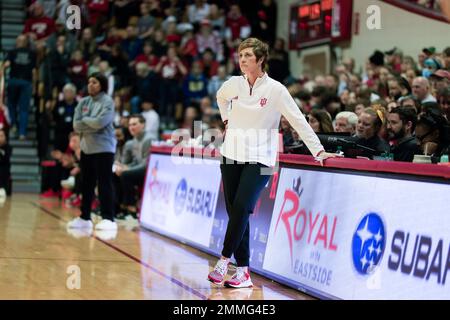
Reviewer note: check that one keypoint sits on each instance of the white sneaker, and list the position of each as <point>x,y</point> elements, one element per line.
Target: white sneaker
<point>106,224</point>
<point>106,234</point>
<point>80,233</point>
<point>2,196</point>
<point>79,223</point>
<point>69,183</point>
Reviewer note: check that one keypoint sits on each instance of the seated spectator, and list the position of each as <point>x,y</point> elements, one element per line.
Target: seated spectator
<point>119,111</point>
<point>132,167</point>
<point>5,166</point>
<point>78,70</point>
<point>151,119</point>
<point>132,45</point>
<point>443,97</point>
<point>147,56</point>
<point>237,26</point>
<point>401,123</point>
<point>38,27</point>
<point>195,85</point>
<point>87,44</point>
<point>370,123</point>
<point>63,117</point>
<point>346,122</point>
<point>146,22</point>
<point>411,102</point>
<point>432,133</point>
<point>146,87</point>
<point>171,70</point>
<point>320,121</point>
<point>106,70</point>
<point>440,80</point>
<point>397,88</point>
<point>216,82</point>
<point>71,187</point>
<point>207,38</point>
<point>198,11</point>
<point>209,63</point>
<point>422,90</point>
<point>191,114</point>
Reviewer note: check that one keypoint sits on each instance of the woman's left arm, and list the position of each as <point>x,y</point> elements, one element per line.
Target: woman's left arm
<point>289,109</point>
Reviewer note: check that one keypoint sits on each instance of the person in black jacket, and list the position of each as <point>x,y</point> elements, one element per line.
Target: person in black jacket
<point>370,124</point>
<point>401,123</point>
<point>23,67</point>
<point>5,165</point>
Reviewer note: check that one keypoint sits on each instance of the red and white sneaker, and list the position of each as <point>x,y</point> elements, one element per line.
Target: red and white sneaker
<point>220,270</point>
<point>241,279</point>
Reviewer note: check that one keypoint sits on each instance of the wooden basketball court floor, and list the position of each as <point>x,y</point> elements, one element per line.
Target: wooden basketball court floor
<point>39,259</point>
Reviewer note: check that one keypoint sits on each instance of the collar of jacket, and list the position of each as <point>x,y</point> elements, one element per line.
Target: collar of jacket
<point>258,81</point>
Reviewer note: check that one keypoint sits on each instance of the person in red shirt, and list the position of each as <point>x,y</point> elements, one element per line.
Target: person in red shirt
<point>97,9</point>
<point>237,24</point>
<point>209,64</point>
<point>38,27</point>
<point>147,56</point>
<point>78,70</point>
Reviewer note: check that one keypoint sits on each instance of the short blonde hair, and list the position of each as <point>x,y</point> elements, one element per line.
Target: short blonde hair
<point>260,49</point>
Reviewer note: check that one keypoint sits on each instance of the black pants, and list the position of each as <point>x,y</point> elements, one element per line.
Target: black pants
<point>130,179</point>
<point>242,184</point>
<point>97,168</point>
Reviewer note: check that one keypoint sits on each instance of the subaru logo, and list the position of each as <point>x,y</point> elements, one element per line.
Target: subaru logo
<point>368,244</point>
<point>180,196</point>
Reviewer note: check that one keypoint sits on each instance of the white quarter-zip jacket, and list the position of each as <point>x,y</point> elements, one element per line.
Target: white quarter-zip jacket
<point>253,115</point>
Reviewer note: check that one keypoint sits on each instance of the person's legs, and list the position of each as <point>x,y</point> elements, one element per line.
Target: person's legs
<point>129,180</point>
<point>24,106</point>
<point>231,176</point>
<point>103,164</point>
<point>88,180</point>
<point>13,99</point>
<point>237,235</point>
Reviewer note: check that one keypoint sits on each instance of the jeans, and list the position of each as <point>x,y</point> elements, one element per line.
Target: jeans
<point>19,96</point>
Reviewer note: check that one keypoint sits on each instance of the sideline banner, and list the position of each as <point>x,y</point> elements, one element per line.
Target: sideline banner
<point>360,237</point>
<point>180,200</point>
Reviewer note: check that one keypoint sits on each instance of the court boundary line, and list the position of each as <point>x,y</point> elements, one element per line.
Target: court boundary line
<point>130,256</point>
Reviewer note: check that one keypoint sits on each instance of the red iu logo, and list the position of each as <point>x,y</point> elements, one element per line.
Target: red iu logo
<point>262,102</point>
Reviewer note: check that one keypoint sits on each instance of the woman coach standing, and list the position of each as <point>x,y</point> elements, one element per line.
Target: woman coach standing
<point>251,107</point>
<point>93,119</point>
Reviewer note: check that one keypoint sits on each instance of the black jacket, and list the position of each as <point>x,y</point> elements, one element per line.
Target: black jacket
<point>405,149</point>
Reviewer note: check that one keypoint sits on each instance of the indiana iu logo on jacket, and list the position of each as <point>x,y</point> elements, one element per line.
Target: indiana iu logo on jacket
<point>262,102</point>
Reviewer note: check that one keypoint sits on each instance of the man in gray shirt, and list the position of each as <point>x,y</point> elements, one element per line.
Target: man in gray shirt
<point>132,167</point>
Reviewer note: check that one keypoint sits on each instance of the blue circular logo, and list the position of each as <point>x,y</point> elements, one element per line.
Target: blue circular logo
<point>368,244</point>
<point>180,197</point>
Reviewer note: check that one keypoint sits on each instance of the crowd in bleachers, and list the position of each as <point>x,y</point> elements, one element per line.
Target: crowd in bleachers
<point>165,60</point>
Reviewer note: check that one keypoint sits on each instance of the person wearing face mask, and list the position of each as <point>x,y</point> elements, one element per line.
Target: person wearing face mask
<point>251,106</point>
<point>431,65</point>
